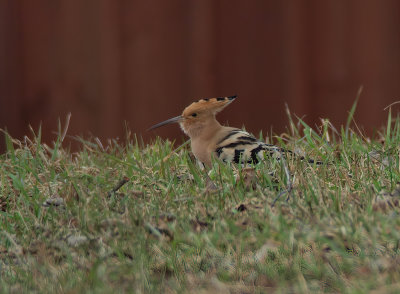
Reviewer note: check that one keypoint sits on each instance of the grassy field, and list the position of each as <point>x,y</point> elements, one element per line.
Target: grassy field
<point>124,217</point>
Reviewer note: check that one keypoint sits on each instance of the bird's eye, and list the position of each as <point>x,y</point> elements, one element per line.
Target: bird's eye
<point>194,114</point>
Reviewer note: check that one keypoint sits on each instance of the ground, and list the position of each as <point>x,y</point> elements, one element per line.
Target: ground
<point>129,217</point>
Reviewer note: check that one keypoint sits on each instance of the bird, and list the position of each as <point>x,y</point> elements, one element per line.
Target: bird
<point>209,139</point>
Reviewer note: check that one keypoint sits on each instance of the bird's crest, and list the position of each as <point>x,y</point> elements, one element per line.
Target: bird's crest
<point>213,105</point>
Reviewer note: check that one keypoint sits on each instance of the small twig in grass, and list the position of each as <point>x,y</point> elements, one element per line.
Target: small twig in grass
<point>287,190</point>
<point>175,150</point>
<point>99,143</point>
<point>62,134</point>
<point>391,104</point>
<point>289,186</point>
<point>118,186</point>
<point>293,129</point>
<point>67,121</point>
<point>158,232</point>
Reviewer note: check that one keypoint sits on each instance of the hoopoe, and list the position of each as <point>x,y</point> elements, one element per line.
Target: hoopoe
<point>210,139</point>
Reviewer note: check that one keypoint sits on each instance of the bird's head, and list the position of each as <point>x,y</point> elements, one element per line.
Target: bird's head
<point>198,115</point>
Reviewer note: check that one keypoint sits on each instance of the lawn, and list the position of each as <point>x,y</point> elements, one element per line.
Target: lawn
<point>123,216</point>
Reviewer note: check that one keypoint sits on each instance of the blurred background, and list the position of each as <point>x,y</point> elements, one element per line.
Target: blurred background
<point>109,62</point>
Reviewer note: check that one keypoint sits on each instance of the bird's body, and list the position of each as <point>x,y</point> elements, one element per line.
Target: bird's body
<point>209,139</point>
<point>239,146</point>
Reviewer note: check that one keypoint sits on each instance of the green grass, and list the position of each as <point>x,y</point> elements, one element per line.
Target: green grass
<point>166,231</point>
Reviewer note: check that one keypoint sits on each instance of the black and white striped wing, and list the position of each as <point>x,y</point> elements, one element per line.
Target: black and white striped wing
<point>241,147</point>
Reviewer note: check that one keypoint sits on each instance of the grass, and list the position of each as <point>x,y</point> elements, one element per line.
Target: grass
<point>165,230</point>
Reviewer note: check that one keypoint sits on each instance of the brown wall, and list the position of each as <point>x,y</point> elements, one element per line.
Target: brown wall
<point>110,61</point>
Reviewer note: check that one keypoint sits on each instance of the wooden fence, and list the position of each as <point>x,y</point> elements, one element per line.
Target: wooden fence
<point>111,61</point>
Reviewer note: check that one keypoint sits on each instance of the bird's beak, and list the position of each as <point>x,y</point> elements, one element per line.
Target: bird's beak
<point>167,122</point>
